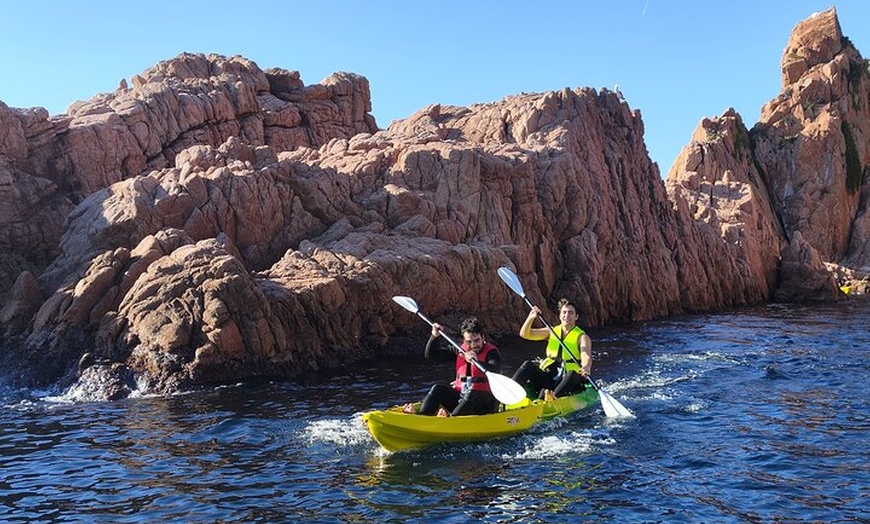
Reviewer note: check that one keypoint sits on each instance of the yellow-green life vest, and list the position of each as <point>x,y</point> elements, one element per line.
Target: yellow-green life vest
<point>572,342</point>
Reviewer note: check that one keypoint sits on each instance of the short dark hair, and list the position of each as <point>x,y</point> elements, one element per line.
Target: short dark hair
<point>566,302</point>
<point>471,325</point>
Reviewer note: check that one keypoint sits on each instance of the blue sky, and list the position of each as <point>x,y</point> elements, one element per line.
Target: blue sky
<point>677,61</point>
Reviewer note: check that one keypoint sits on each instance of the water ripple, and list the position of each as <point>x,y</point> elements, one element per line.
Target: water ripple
<point>758,415</point>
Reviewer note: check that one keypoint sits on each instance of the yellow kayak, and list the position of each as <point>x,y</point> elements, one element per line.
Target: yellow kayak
<point>396,430</point>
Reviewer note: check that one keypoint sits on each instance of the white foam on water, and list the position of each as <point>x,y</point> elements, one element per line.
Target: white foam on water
<point>76,394</point>
<point>657,394</point>
<point>550,446</point>
<point>657,377</point>
<point>22,405</point>
<point>670,369</point>
<point>695,407</point>
<point>698,357</point>
<point>342,432</point>
<point>660,382</point>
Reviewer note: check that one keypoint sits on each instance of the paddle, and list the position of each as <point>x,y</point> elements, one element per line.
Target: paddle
<point>504,389</point>
<point>612,407</point>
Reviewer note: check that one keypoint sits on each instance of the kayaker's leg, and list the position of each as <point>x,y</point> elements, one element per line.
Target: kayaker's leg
<point>549,378</point>
<point>439,395</point>
<point>451,400</point>
<point>476,403</point>
<point>571,383</point>
<point>530,376</point>
<point>522,373</point>
<point>548,381</point>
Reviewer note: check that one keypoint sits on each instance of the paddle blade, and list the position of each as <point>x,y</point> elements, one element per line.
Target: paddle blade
<point>505,389</point>
<point>611,406</point>
<point>510,278</point>
<point>407,303</point>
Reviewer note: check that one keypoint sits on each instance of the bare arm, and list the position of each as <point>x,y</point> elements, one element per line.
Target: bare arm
<point>528,332</point>
<point>585,355</point>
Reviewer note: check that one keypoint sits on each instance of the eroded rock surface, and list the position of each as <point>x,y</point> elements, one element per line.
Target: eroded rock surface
<point>216,222</point>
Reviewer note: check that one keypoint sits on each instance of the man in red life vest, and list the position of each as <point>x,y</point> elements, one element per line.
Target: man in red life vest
<point>469,393</point>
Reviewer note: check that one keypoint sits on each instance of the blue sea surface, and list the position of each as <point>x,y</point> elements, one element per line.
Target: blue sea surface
<point>757,415</point>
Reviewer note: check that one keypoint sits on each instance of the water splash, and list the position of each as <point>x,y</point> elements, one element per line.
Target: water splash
<point>572,443</point>
<point>341,432</point>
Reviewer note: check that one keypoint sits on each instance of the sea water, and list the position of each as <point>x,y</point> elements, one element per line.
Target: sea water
<point>756,415</point>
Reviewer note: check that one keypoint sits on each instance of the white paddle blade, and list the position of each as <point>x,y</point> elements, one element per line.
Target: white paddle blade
<point>407,303</point>
<point>505,390</point>
<point>510,278</point>
<point>611,406</point>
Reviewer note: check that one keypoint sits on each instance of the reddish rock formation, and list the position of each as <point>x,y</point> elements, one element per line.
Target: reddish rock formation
<point>717,184</point>
<point>49,164</point>
<point>807,134</point>
<point>804,274</point>
<point>802,169</point>
<point>230,222</point>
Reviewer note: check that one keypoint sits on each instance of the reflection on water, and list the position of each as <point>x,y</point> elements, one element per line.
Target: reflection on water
<point>758,415</point>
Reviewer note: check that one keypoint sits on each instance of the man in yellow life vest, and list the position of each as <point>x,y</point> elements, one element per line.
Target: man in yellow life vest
<point>558,373</point>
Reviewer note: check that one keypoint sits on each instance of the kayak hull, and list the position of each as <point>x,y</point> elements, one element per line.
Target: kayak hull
<point>564,406</point>
<point>395,430</point>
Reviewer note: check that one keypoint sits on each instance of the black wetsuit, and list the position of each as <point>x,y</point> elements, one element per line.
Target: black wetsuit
<point>471,402</point>
<point>553,378</point>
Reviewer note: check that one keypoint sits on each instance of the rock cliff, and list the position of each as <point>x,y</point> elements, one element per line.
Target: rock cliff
<point>216,222</point>
<point>803,170</point>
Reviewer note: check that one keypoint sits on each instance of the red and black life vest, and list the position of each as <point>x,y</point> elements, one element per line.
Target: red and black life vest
<point>465,369</point>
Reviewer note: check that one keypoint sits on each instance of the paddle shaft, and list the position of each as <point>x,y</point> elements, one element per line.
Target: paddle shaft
<point>503,388</point>
<point>452,342</point>
<point>562,343</point>
<point>612,407</point>
<point>553,331</point>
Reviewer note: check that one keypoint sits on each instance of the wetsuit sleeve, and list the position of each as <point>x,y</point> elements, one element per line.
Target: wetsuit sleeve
<point>493,361</point>
<point>436,352</point>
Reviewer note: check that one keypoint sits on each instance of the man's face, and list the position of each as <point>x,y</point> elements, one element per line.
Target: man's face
<point>568,315</point>
<point>473,340</point>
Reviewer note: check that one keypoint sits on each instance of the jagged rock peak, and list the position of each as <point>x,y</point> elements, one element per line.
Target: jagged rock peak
<point>799,173</point>
<point>816,40</point>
